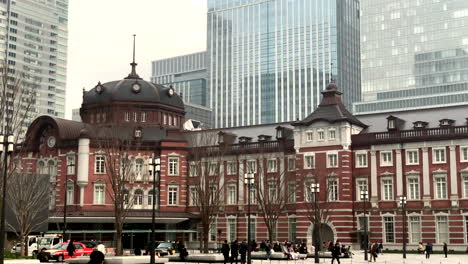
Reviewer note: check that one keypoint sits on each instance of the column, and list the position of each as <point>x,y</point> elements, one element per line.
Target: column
<point>374,182</point>
<point>426,185</point>
<point>453,176</point>
<point>399,173</point>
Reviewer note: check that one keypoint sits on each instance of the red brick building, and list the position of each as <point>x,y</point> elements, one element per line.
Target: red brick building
<point>422,155</point>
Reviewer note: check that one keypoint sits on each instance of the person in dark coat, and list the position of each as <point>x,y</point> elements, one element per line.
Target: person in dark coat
<point>336,252</point>
<point>96,257</point>
<point>43,256</point>
<point>71,249</point>
<point>234,251</point>
<point>243,251</point>
<point>253,246</point>
<point>225,250</point>
<point>374,248</point>
<point>428,249</point>
<point>182,250</point>
<point>445,249</point>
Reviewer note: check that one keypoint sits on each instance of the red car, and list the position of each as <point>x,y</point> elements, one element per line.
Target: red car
<point>59,252</point>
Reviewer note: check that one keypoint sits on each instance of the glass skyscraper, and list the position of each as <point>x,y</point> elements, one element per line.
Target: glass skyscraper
<point>33,40</point>
<point>187,74</point>
<point>268,60</point>
<point>414,54</point>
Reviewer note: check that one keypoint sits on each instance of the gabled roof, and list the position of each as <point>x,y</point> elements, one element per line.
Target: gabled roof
<point>331,110</point>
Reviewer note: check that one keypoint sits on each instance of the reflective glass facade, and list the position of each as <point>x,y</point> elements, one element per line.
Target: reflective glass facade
<point>33,37</point>
<point>414,54</point>
<point>188,75</point>
<point>269,60</point>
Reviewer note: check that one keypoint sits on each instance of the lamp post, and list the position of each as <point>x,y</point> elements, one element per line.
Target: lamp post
<point>315,189</point>
<point>65,202</point>
<point>364,196</point>
<point>249,180</point>
<point>155,170</point>
<point>6,147</point>
<point>403,207</point>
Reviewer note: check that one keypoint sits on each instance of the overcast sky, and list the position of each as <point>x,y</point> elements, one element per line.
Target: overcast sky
<point>100,38</point>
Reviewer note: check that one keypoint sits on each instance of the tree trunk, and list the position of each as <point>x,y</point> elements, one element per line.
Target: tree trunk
<point>118,251</point>
<point>206,237</point>
<point>24,248</point>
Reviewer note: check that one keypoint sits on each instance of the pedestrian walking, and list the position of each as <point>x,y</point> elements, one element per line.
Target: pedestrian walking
<point>183,253</point>
<point>225,250</point>
<point>96,257</point>
<point>234,251</point>
<point>428,250</point>
<point>243,247</point>
<point>71,249</point>
<point>380,248</point>
<point>445,249</point>
<point>336,252</point>
<point>373,251</point>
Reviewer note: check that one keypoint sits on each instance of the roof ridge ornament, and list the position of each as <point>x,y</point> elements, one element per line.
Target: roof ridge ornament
<point>133,74</point>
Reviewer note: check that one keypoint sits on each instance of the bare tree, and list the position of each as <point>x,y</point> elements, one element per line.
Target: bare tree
<point>119,173</point>
<point>27,197</point>
<point>205,184</point>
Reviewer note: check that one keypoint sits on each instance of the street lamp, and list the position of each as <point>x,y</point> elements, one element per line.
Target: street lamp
<point>70,167</point>
<point>364,196</point>
<point>403,207</point>
<point>315,189</point>
<point>6,147</point>
<point>249,180</point>
<point>155,170</point>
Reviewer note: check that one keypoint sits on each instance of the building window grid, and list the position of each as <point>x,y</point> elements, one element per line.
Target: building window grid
<point>213,169</point>
<point>361,186</point>
<point>465,186</point>
<point>251,166</point>
<point>331,134</point>
<point>100,164</point>
<point>361,160</point>
<point>193,170</point>
<point>438,155</point>
<point>291,163</point>
<point>253,228</point>
<point>415,229</point>
<point>463,154</point>
<point>309,161</point>
<point>232,194</point>
<point>321,135</point>
<point>292,192</point>
<point>292,228</point>
<point>332,160</point>
<point>309,136</point>
<point>333,190</point>
<point>442,228</point>
<point>389,229</point>
<point>71,161</point>
<point>172,195</point>
<point>138,197</point>
<point>386,158</point>
<point>231,168</point>
<point>413,188</point>
<point>412,157</point>
<point>70,192</point>
<point>440,187</point>
<point>272,165</point>
<point>272,191</point>
<point>387,185</point>
<point>99,194</point>
<point>173,166</point>
<point>232,234</point>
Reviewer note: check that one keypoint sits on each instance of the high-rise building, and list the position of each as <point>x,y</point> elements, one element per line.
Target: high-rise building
<point>33,41</point>
<point>187,74</point>
<point>414,54</point>
<point>268,61</point>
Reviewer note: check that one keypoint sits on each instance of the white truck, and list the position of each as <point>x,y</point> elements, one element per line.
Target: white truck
<point>37,243</point>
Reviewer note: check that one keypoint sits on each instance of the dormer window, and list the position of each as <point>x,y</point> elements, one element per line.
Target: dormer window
<point>262,138</point>
<point>391,124</point>
<point>279,132</point>
<point>394,123</point>
<point>446,122</point>
<point>138,133</point>
<point>221,137</point>
<point>245,139</point>
<point>420,124</point>
<point>127,116</point>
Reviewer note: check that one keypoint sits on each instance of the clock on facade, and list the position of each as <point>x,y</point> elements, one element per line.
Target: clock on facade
<point>136,88</point>
<point>51,141</point>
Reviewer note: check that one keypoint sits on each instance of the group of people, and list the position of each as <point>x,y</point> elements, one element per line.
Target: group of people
<point>427,249</point>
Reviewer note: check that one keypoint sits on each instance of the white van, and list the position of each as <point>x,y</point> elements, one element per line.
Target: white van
<point>36,243</point>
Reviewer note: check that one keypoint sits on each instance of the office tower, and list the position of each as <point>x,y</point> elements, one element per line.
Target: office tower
<point>268,61</point>
<point>187,75</point>
<point>33,40</point>
<point>414,54</point>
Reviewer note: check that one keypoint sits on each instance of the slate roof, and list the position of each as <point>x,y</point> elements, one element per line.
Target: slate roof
<point>331,110</point>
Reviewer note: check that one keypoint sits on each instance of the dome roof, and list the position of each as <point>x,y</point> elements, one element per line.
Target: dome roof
<point>131,90</point>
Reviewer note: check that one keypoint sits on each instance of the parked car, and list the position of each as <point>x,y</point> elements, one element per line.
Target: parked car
<point>166,248</point>
<point>90,243</point>
<point>59,251</point>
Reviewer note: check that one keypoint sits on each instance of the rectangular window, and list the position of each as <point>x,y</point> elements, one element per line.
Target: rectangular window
<point>466,228</point>
<point>332,160</point>
<point>193,195</point>
<point>333,190</point>
<point>387,185</point>
<point>253,226</point>
<point>412,157</point>
<point>143,117</point>
<point>232,194</point>
<point>291,164</point>
<point>292,228</point>
<point>386,158</point>
<point>164,119</point>
<point>127,116</point>
<point>465,187</point>
<point>415,229</point>
<point>172,195</point>
<point>213,169</point>
<point>441,187</point>
<point>292,192</point>
<point>99,194</point>
<point>309,161</point>
<point>231,168</point>
<point>99,164</point>
<point>361,186</point>
<point>271,165</point>
<point>173,166</point>
<point>442,229</point>
<point>232,234</point>
<point>389,229</point>
<point>361,160</point>
<point>272,191</point>
<point>135,117</point>
<point>213,230</point>
<point>438,155</point>
<point>253,195</point>
<point>193,170</point>
<point>464,154</point>
<point>321,135</point>
<point>413,188</point>
<point>70,193</point>
<point>309,136</point>
<point>331,134</point>
<point>71,164</point>
<point>251,166</point>
<point>363,221</point>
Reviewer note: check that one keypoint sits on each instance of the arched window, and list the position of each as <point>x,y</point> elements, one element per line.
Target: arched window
<point>70,192</point>
<point>139,197</point>
<point>51,169</point>
<point>139,168</point>
<point>41,167</point>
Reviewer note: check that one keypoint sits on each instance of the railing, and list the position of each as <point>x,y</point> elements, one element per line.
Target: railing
<point>251,147</point>
<point>410,135</point>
